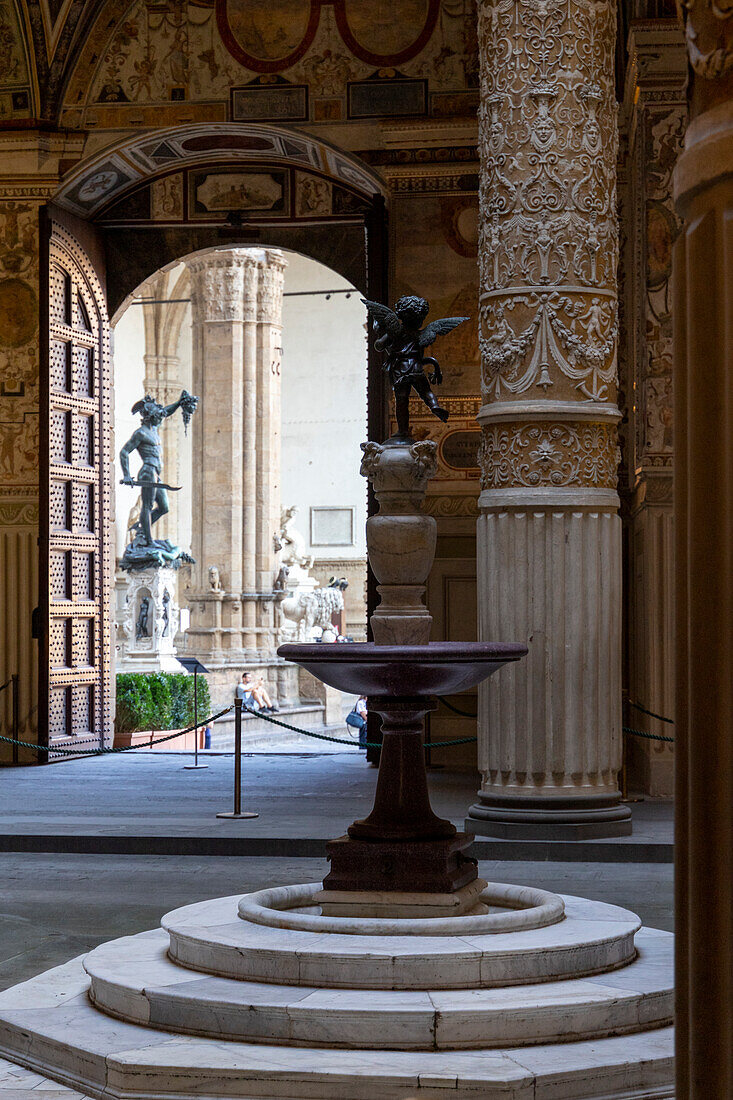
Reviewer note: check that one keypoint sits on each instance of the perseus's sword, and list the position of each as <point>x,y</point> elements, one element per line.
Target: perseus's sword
<point>152,485</point>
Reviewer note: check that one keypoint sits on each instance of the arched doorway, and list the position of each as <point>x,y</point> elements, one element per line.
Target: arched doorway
<point>130,209</point>
<point>269,499</point>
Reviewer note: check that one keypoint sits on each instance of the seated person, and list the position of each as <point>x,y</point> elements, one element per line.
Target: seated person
<point>253,693</point>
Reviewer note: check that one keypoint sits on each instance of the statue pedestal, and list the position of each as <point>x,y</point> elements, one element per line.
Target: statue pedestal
<point>148,618</point>
<point>400,539</point>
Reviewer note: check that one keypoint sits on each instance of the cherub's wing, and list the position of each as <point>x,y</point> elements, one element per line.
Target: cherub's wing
<point>439,328</point>
<point>385,317</point>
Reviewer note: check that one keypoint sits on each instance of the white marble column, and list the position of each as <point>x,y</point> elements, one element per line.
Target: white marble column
<point>236,299</point>
<point>549,534</point>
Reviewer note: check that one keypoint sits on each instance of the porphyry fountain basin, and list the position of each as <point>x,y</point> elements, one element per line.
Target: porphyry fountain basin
<point>402,845</point>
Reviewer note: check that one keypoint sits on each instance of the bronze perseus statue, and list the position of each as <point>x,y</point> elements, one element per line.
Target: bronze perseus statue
<point>144,549</point>
<point>403,341</point>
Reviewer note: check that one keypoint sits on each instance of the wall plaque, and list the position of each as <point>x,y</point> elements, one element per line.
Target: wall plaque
<point>459,450</point>
<point>387,98</point>
<point>270,103</point>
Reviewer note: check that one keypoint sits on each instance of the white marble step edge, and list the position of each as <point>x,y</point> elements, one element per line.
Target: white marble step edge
<point>209,937</point>
<point>133,979</point>
<point>48,1025</point>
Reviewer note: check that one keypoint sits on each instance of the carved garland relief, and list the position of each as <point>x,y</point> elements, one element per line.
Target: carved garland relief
<point>548,232</point>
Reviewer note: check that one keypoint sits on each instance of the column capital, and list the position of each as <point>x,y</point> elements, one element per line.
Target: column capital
<point>224,284</point>
<point>270,288</point>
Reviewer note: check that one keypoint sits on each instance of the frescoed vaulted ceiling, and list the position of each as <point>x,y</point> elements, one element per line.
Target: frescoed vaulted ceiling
<point>42,41</point>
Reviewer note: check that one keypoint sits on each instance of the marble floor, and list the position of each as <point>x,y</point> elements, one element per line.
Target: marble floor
<point>17,1083</point>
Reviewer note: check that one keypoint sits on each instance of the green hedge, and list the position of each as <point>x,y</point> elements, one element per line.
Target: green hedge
<point>158,701</point>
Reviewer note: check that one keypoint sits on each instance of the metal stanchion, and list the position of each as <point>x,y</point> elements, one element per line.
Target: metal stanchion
<point>238,812</point>
<point>16,722</point>
<point>192,664</point>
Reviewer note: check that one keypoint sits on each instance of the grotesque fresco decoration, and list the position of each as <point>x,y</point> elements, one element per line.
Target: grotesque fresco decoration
<point>18,344</point>
<point>15,100</point>
<point>200,51</point>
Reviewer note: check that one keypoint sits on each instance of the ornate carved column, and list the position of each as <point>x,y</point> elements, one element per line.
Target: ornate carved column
<point>703,417</point>
<point>236,299</point>
<point>655,115</point>
<point>549,555</point>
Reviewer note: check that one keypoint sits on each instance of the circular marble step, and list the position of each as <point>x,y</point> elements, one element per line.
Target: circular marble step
<point>592,938</point>
<point>49,1025</point>
<point>134,979</point>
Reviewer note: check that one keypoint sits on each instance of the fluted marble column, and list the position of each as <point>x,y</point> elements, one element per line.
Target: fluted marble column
<point>703,490</point>
<point>236,297</point>
<point>549,538</point>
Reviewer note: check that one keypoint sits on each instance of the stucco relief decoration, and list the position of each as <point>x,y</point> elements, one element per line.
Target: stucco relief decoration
<point>548,455</point>
<point>709,35</point>
<point>548,234</point>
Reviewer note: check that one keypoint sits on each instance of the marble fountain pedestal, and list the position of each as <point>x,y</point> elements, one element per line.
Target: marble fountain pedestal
<point>403,976</point>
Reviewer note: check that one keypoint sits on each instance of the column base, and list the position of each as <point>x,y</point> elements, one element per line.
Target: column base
<point>544,819</point>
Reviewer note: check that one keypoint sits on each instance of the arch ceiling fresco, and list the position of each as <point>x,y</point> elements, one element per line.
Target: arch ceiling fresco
<point>187,55</point>
<point>101,180</point>
<point>203,47</point>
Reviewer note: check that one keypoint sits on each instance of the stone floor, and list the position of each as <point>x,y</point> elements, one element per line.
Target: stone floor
<point>143,802</point>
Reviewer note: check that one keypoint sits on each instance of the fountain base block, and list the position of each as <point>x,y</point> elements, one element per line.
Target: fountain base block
<point>436,866</point>
<point>374,903</point>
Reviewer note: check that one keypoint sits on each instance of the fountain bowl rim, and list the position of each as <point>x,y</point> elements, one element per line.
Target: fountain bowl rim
<point>432,653</point>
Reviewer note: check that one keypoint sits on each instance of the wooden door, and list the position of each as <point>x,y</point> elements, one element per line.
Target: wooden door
<point>76,543</point>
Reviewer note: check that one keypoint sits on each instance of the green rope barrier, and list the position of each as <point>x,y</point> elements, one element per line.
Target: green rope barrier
<point>123,748</point>
<point>651,713</point>
<point>250,710</point>
<point>648,736</point>
<point>463,713</point>
<point>347,740</point>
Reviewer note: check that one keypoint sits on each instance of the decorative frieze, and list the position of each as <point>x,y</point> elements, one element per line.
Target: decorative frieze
<point>546,453</point>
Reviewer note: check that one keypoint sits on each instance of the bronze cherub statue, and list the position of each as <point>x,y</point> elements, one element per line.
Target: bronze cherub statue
<point>403,342</point>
